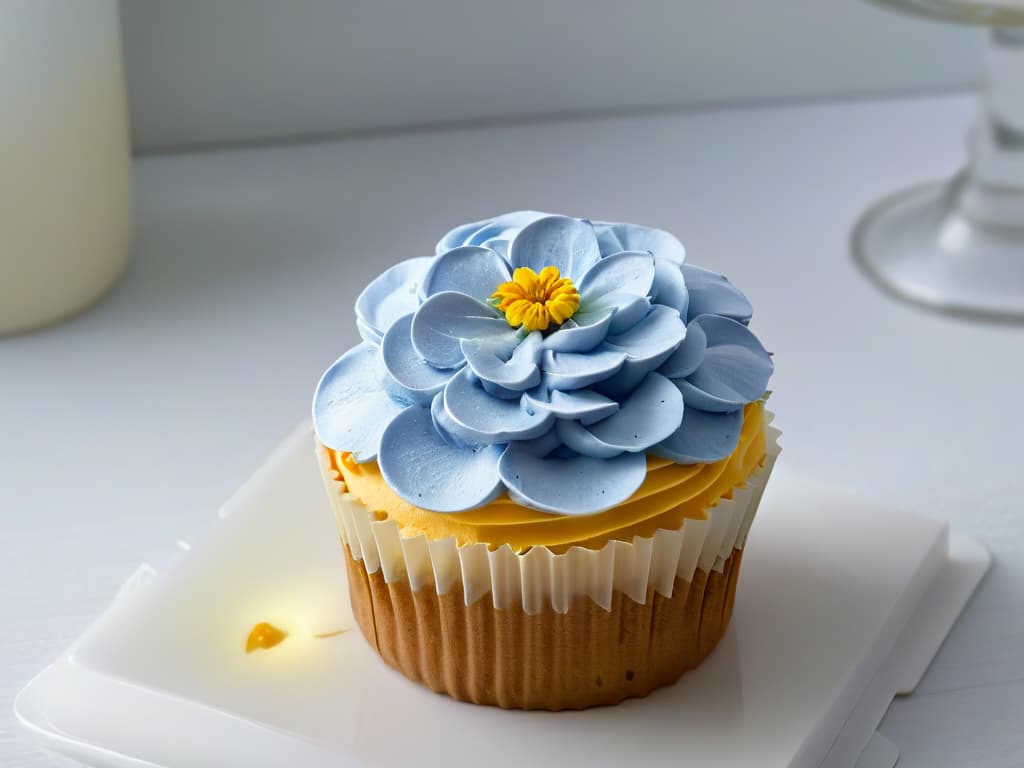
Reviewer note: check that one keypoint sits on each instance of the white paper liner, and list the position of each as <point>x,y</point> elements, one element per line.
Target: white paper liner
<point>540,575</point>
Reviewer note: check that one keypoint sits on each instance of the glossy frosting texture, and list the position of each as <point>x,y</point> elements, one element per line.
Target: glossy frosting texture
<point>670,494</point>
<point>544,360</point>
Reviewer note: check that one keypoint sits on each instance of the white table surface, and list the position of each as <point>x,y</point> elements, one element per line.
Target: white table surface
<point>124,430</point>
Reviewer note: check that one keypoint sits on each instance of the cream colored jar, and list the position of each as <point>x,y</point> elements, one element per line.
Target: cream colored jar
<point>65,159</point>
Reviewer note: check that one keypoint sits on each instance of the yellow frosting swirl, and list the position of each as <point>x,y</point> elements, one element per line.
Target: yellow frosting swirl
<point>671,493</point>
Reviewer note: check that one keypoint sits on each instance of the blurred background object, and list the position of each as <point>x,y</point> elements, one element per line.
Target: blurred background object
<point>249,70</point>
<point>65,188</point>
<point>958,246</point>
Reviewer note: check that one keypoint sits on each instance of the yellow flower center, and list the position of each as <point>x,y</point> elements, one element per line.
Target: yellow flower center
<point>536,301</point>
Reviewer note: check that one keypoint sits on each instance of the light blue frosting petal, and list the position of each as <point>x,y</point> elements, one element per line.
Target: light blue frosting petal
<point>574,370</point>
<point>725,331</point>
<point>443,320</point>
<point>582,333</point>
<point>735,369</point>
<point>670,286</point>
<point>477,417</point>
<point>583,405</point>
<point>504,228</point>
<point>607,239</point>
<point>543,445</point>
<point>629,309</point>
<point>443,422</point>
<point>584,442</point>
<point>351,408</point>
<point>429,472</point>
<point>496,390</point>
<point>651,413</point>
<point>696,397</point>
<point>390,296</point>
<point>468,269</point>
<point>688,357</point>
<point>630,272</point>
<point>713,294</point>
<point>632,237</point>
<point>513,369</point>
<point>558,241</point>
<point>499,245</point>
<point>656,335</point>
<point>646,346</point>
<point>486,232</point>
<point>575,486</point>
<point>419,380</point>
<point>368,333</point>
<point>702,438</point>
<point>501,347</point>
<point>459,235</point>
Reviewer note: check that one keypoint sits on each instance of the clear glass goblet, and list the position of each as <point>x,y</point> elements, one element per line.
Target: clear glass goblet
<point>957,246</point>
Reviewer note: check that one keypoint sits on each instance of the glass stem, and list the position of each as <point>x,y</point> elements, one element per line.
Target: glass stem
<point>992,191</point>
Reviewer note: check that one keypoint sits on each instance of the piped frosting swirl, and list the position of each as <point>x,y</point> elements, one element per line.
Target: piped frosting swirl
<point>545,360</point>
<point>670,494</point>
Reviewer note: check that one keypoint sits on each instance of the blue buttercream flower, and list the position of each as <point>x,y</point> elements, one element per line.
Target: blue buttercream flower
<point>542,355</point>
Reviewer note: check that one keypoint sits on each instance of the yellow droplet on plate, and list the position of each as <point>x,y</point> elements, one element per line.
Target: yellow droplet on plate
<point>263,636</point>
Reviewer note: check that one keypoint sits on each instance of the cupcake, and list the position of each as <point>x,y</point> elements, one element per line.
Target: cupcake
<point>544,459</point>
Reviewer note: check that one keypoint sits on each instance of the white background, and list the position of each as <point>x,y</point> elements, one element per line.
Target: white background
<point>203,72</point>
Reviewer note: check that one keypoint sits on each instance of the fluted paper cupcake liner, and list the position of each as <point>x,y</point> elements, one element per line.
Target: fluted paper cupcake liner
<point>539,578</point>
<point>585,657</point>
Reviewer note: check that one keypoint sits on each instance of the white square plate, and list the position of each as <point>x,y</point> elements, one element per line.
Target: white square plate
<point>801,678</point>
